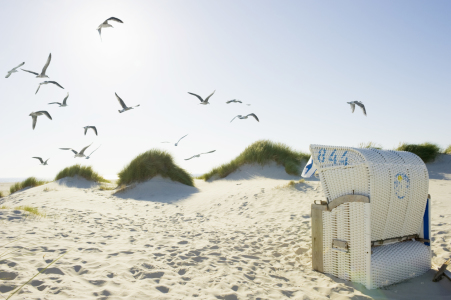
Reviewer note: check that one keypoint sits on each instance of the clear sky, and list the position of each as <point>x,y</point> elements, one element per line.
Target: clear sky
<point>296,62</point>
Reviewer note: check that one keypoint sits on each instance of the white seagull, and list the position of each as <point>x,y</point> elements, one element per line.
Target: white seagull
<point>42,75</point>
<point>121,102</point>
<point>87,157</point>
<point>47,82</point>
<point>245,117</point>
<point>202,101</point>
<point>13,70</point>
<point>78,154</point>
<point>353,103</point>
<point>180,140</point>
<point>199,154</point>
<point>35,115</point>
<point>64,104</point>
<point>92,127</point>
<point>106,25</point>
<point>44,163</point>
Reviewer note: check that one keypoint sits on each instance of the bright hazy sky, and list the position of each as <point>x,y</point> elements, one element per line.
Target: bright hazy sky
<point>296,62</point>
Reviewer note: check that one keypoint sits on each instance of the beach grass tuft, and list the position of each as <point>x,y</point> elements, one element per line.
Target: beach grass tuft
<point>427,151</point>
<point>29,182</point>
<point>83,171</point>
<point>447,150</point>
<point>150,164</point>
<point>2,194</point>
<point>262,152</point>
<point>31,211</point>
<point>370,145</point>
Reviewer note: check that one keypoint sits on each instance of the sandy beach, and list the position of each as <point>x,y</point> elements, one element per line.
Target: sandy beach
<point>244,237</point>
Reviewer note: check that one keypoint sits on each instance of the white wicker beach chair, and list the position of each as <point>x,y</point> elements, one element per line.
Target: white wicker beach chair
<point>374,228</point>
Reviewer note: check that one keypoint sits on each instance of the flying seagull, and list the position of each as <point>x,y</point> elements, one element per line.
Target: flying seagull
<point>13,70</point>
<point>106,25</point>
<point>92,127</point>
<point>245,117</point>
<point>35,115</point>
<point>121,102</point>
<point>42,75</point>
<point>87,157</point>
<point>353,103</point>
<point>44,163</point>
<point>199,154</point>
<point>180,140</point>
<point>202,101</point>
<point>64,104</point>
<point>46,82</point>
<point>234,101</point>
<point>78,154</point>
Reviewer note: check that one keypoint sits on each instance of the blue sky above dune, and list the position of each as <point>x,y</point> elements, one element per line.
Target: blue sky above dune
<point>296,62</point>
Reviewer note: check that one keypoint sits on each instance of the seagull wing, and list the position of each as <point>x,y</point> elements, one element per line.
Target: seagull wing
<point>253,115</point>
<point>190,157</point>
<point>200,98</point>
<point>362,106</point>
<point>55,103</point>
<point>54,82</point>
<point>19,66</point>
<point>35,119</point>
<point>208,152</point>
<point>235,117</point>
<point>7,75</point>
<point>206,100</point>
<point>30,72</point>
<point>239,101</point>
<point>65,99</point>
<point>70,150</point>
<point>46,160</point>
<point>47,64</point>
<point>113,19</point>
<point>94,151</point>
<point>100,32</point>
<point>94,128</point>
<point>180,139</point>
<point>45,113</point>
<point>38,89</point>
<point>83,150</point>
<point>121,102</point>
<point>137,105</point>
<point>40,159</point>
<point>352,106</point>
<point>86,129</point>
<point>230,101</point>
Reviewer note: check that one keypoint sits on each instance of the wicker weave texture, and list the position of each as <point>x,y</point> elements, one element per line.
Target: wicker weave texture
<point>399,261</point>
<point>395,181</point>
<point>348,222</point>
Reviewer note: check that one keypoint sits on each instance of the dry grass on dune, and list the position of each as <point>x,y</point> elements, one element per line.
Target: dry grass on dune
<point>262,152</point>
<point>428,152</point>
<point>1,194</point>
<point>370,145</point>
<point>29,182</point>
<point>447,150</point>
<point>82,171</point>
<point>150,164</point>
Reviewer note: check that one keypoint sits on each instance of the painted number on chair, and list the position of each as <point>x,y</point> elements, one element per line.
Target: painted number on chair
<point>333,158</point>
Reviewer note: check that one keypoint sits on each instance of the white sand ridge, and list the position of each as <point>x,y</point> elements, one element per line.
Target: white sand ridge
<point>234,238</point>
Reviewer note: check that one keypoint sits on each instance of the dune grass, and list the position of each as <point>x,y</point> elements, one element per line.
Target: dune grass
<point>427,151</point>
<point>262,152</point>
<point>29,182</point>
<point>370,145</point>
<point>2,194</point>
<point>447,150</point>
<point>82,171</point>
<point>150,164</point>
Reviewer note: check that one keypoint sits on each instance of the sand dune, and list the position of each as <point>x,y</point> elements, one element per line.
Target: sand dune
<point>242,237</point>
